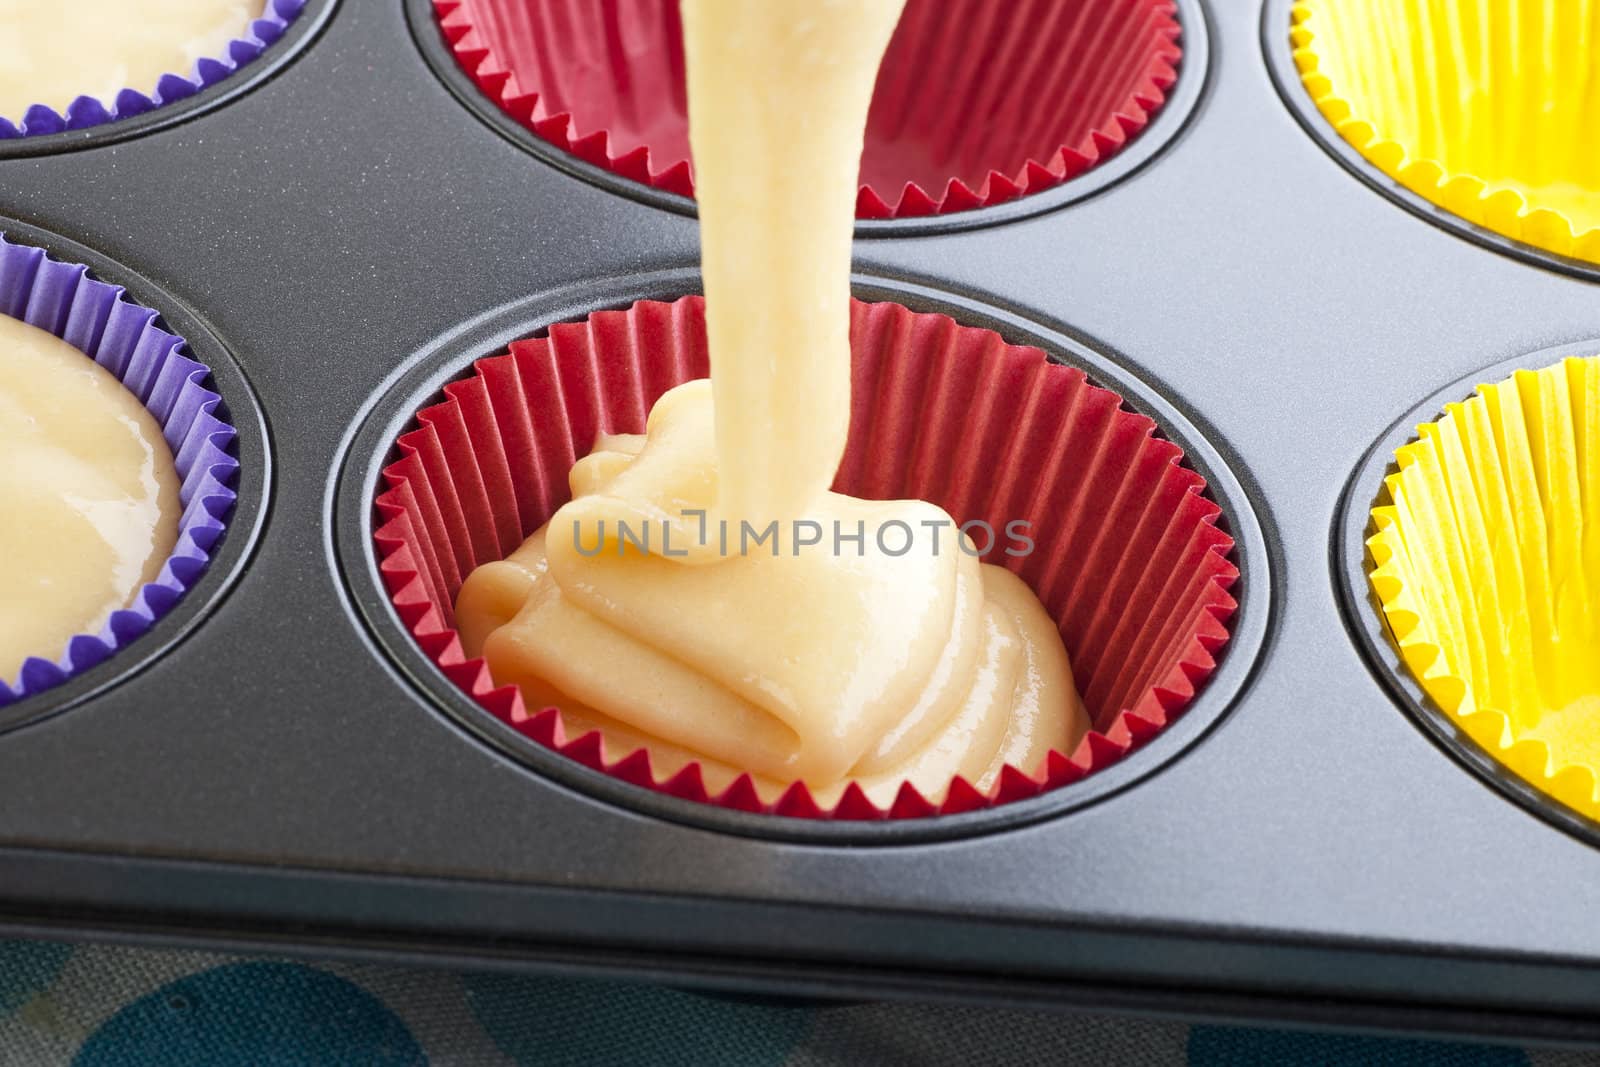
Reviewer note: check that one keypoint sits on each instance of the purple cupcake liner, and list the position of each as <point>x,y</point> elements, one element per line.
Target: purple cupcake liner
<point>99,320</point>
<point>87,111</point>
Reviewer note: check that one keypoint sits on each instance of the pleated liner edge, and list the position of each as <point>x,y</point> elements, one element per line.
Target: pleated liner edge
<point>89,111</point>
<point>1494,206</point>
<point>1403,606</point>
<point>1116,122</point>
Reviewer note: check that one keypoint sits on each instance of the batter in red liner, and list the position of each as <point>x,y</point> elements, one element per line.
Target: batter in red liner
<point>895,676</point>
<point>1129,561</point>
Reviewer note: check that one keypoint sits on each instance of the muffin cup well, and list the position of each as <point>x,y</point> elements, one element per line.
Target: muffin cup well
<point>124,338</point>
<point>971,108</point>
<point>1480,110</point>
<point>89,111</point>
<point>1128,558</point>
<point>1486,562</point>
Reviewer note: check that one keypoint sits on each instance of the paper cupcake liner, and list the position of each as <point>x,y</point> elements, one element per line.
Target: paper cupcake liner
<point>977,102</point>
<point>123,337</point>
<point>1482,109</point>
<point>87,111</point>
<point>1487,565</point>
<point>1128,558</point>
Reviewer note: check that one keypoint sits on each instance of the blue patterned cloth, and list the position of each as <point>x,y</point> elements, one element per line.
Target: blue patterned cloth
<point>99,1006</point>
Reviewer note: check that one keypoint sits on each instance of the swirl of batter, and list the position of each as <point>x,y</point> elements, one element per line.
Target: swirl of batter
<point>821,662</point>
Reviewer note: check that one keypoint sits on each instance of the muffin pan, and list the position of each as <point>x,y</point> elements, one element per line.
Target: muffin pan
<point>278,765</point>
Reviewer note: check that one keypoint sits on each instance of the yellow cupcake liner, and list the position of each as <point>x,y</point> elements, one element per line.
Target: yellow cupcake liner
<point>1487,567</point>
<point>1489,110</point>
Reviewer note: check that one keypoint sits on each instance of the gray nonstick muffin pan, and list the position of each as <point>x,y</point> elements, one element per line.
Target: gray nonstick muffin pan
<point>277,766</point>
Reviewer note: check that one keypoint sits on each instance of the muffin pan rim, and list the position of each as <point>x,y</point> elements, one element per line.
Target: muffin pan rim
<point>1286,80</point>
<point>274,60</point>
<point>368,447</point>
<point>1164,131</point>
<point>253,492</point>
<point>1364,616</point>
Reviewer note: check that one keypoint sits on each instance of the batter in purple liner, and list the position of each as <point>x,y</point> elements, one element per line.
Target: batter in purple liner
<point>89,501</point>
<point>52,52</point>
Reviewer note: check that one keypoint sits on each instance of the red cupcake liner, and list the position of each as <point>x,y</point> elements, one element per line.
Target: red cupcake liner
<point>1128,557</point>
<point>977,102</point>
